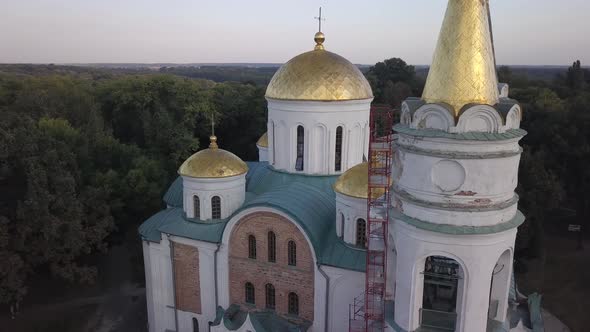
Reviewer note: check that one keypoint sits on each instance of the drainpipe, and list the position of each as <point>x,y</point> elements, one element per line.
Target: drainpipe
<point>173,282</point>
<point>327,296</point>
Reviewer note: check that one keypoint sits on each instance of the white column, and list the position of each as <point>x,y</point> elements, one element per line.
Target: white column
<point>474,313</point>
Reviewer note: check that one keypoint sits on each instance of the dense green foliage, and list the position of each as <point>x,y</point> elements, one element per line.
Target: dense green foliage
<point>393,81</point>
<point>86,154</point>
<point>85,158</point>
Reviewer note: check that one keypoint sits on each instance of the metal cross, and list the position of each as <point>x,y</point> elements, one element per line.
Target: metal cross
<point>320,19</point>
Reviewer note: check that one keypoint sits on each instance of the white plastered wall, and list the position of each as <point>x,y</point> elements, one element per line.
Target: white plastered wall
<point>262,153</point>
<point>160,287</point>
<point>352,209</point>
<point>476,254</point>
<point>320,121</point>
<point>231,190</point>
<point>158,283</point>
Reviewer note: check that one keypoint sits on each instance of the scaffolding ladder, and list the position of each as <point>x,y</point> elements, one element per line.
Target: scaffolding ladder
<point>369,315</point>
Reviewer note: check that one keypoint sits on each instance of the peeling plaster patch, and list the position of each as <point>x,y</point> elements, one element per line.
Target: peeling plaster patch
<point>481,201</point>
<point>466,193</point>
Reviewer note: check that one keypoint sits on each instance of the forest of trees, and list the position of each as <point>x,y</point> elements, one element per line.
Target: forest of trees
<point>86,154</point>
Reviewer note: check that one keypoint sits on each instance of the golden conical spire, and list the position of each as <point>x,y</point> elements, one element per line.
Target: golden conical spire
<point>463,69</point>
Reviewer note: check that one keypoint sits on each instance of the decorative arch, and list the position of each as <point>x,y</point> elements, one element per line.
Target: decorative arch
<point>418,289</point>
<point>433,116</point>
<point>405,117</point>
<point>319,149</point>
<point>514,117</point>
<point>479,118</point>
<point>271,141</point>
<point>500,286</point>
<point>341,221</point>
<point>196,207</point>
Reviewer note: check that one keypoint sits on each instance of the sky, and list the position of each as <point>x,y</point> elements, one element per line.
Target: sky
<point>526,32</point>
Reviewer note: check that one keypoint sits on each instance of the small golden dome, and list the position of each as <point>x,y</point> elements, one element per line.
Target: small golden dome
<point>319,75</point>
<point>263,141</point>
<point>213,163</point>
<point>355,182</point>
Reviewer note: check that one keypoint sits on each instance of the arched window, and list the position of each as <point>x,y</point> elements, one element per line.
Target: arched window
<point>196,207</point>
<point>216,207</point>
<point>252,246</point>
<point>341,226</point>
<point>361,233</point>
<point>338,159</point>
<point>293,304</point>
<point>292,253</point>
<point>300,141</point>
<point>250,297</point>
<point>270,296</point>
<point>272,247</point>
<point>195,325</point>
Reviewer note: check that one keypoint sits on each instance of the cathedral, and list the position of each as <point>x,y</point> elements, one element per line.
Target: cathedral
<point>282,243</point>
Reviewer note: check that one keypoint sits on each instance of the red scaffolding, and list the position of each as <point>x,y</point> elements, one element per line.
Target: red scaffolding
<point>369,315</point>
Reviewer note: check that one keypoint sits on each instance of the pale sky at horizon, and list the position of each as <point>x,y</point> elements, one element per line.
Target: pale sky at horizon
<point>526,32</point>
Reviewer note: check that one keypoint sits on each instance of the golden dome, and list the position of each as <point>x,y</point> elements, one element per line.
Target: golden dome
<point>355,182</point>
<point>213,163</point>
<point>463,70</point>
<point>263,141</point>
<point>319,75</point>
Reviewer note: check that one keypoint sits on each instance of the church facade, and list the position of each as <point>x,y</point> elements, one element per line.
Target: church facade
<point>279,244</point>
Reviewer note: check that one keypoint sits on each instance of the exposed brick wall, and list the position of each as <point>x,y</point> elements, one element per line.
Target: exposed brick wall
<point>285,278</point>
<point>186,278</point>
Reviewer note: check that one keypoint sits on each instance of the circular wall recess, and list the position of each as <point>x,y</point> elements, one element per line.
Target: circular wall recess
<point>448,175</point>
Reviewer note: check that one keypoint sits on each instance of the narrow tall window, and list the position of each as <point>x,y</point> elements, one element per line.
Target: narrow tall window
<point>272,247</point>
<point>338,159</point>
<point>252,246</point>
<point>195,325</point>
<point>300,141</point>
<point>341,225</point>
<point>292,253</point>
<point>270,296</point>
<point>196,207</point>
<point>250,297</point>
<point>216,207</point>
<point>361,233</point>
<point>293,304</point>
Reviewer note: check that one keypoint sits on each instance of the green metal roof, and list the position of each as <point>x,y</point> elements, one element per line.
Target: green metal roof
<point>309,200</point>
<point>173,196</point>
<point>263,321</point>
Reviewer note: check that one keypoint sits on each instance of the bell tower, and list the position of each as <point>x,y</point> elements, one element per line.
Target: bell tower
<point>454,210</point>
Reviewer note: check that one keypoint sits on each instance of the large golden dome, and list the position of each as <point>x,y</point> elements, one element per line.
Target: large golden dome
<point>319,75</point>
<point>213,163</point>
<point>355,182</point>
